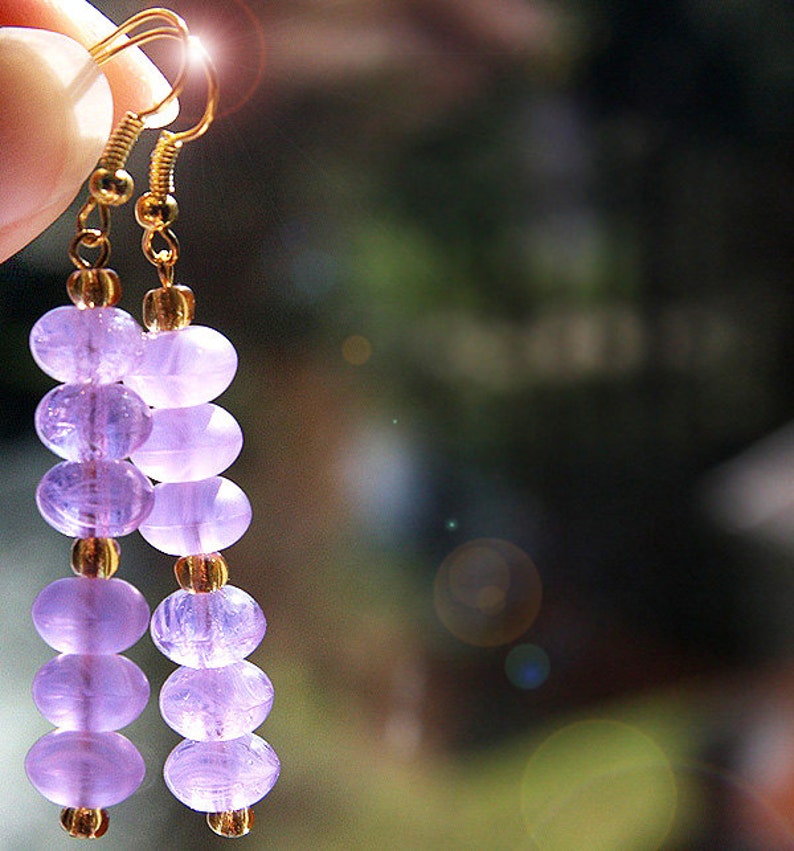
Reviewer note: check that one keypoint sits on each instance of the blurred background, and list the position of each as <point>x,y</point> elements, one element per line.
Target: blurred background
<point>511,286</point>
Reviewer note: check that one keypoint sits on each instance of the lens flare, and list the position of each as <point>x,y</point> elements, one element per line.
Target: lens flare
<point>487,592</point>
<point>599,785</point>
<point>356,350</point>
<point>527,666</point>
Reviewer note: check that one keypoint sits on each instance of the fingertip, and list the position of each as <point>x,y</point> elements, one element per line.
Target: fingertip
<point>56,111</point>
<point>135,81</point>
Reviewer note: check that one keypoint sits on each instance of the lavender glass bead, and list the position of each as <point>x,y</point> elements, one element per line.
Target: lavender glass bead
<point>90,692</point>
<point>82,769</point>
<point>81,422</point>
<point>81,615</point>
<point>216,776</point>
<point>189,444</point>
<point>216,704</point>
<point>75,345</point>
<point>94,499</point>
<point>197,517</point>
<point>182,368</point>
<point>208,630</point>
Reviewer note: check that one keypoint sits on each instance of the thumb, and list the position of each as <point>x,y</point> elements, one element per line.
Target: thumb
<point>56,112</point>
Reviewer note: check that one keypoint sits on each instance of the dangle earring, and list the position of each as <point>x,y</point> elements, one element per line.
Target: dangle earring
<point>126,394</point>
<point>215,699</point>
<point>94,495</point>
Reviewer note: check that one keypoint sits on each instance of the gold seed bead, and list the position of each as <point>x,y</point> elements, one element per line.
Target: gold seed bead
<point>96,558</point>
<point>232,823</point>
<point>203,573</point>
<point>111,188</point>
<point>84,823</point>
<point>168,308</point>
<point>155,212</point>
<point>94,288</point>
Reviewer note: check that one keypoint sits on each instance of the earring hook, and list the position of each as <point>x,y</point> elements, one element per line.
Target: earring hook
<point>157,209</point>
<point>175,27</point>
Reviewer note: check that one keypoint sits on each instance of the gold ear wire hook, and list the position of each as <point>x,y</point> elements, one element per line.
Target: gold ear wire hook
<point>157,209</point>
<point>170,143</point>
<point>103,51</point>
<point>110,185</point>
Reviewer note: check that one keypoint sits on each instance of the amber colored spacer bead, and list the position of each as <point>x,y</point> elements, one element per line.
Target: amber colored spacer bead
<point>96,557</point>
<point>94,288</point>
<point>168,308</point>
<point>231,823</point>
<point>202,573</point>
<point>84,823</point>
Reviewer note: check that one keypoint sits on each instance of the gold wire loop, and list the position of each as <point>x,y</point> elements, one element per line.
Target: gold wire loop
<point>90,238</point>
<point>102,211</point>
<point>164,256</point>
<point>121,39</point>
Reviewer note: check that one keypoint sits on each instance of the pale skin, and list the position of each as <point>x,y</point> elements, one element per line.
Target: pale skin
<point>42,165</point>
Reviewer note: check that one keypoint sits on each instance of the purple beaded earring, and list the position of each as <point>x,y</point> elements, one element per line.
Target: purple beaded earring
<point>161,418</point>
<point>215,698</point>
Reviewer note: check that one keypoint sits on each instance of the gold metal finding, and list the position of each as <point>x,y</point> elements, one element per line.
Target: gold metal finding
<point>111,185</point>
<point>232,823</point>
<point>201,574</point>
<point>84,823</point>
<point>96,558</point>
<point>122,39</point>
<point>157,209</point>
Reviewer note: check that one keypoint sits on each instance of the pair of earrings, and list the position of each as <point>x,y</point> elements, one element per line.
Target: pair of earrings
<point>135,407</point>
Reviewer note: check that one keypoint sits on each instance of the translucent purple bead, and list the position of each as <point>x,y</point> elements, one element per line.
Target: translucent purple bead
<point>197,517</point>
<point>189,444</point>
<point>94,499</point>
<point>216,776</point>
<point>73,345</point>
<point>84,769</point>
<point>81,615</point>
<point>81,422</point>
<point>214,704</point>
<point>90,692</point>
<point>182,368</point>
<point>208,630</point>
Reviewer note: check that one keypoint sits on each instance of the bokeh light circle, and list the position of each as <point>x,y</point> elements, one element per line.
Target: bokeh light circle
<point>527,666</point>
<point>356,350</point>
<point>600,785</point>
<point>487,592</point>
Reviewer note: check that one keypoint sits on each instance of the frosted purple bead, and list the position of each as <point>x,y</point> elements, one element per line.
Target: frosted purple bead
<point>73,345</point>
<point>94,499</point>
<point>208,630</point>
<point>81,615</point>
<point>215,776</point>
<point>213,704</point>
<point>80,422</point>
<point>189,444</point>
<point>182,368</point>
<point>82,769</point>
<point>197,517</point>
<point>90,692</point>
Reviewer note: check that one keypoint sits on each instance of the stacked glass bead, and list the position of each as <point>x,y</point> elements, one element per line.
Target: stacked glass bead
<point>215,698</point>
<point>94,495</point>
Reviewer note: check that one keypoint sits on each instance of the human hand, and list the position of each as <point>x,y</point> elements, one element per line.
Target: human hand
<point>52,130</point>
